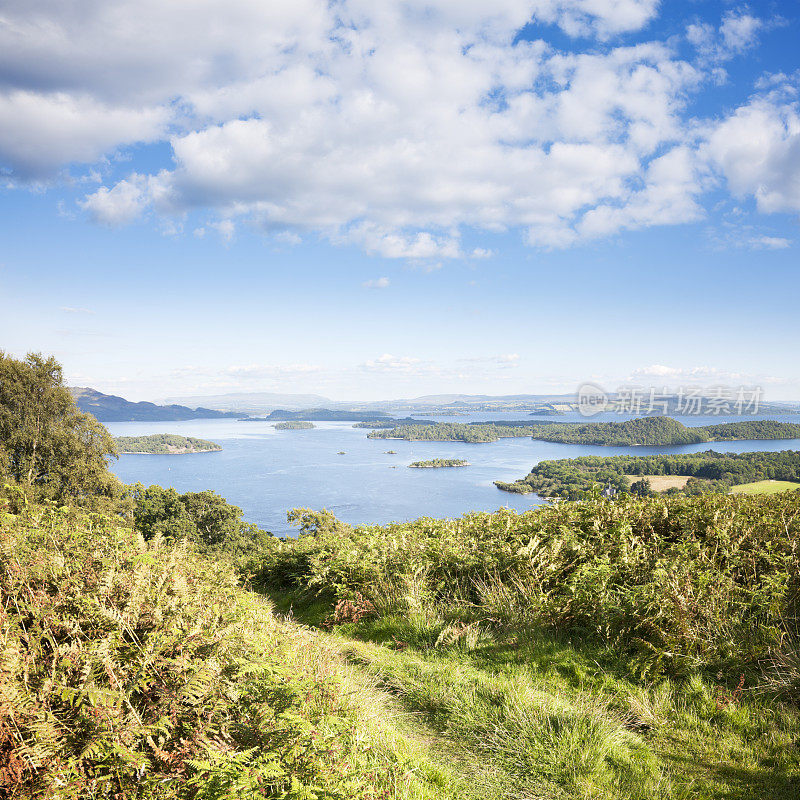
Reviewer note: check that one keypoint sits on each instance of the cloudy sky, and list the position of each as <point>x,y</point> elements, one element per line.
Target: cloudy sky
<point>371,200</point>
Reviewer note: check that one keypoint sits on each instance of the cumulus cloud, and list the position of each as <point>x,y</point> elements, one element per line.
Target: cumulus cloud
<point>119,205</point>
<point>601,17</point>
<point>757,149</point>
<point>388,126</point>
<point>737,32</point>
<point>41,132</point>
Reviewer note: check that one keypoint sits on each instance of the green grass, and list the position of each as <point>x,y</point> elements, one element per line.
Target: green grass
<point>641,648</point>
<point>540,716</point>
<point>765,487</point>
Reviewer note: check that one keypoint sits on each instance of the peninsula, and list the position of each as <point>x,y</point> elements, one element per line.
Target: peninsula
<point>675,473</point>
<point>644,431</point>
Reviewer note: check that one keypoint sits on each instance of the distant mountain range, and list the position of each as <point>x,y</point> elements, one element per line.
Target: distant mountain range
<point>110,408</point>
<point>264,402</point>
<point>254,401</point>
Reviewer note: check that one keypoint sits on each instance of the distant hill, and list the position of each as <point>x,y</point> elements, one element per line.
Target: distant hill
<point>323,415</point>
<point>468,399</point>
<point>252,401</point>
<point>653,431</point>
<point>110,408</point>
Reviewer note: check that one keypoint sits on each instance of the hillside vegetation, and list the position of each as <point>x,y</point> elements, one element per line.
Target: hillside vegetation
<point>651,431</point>
<point>630,649</point>
<point>572,478</point>
<point>626,649</point>
<point>133,668</point>
<point>164,444</point>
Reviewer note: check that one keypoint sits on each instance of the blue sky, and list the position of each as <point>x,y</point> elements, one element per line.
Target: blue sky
<point>368,203</point>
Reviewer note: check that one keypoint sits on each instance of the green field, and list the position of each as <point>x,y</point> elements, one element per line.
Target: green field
<point>765,487</point>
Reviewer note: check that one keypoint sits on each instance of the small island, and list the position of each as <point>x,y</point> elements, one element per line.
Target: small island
<point>294,425</point>
<point>164,444</point>
<point>436,463</point>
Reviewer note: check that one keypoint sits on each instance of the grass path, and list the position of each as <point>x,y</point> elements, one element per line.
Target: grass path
<point>528,716</point>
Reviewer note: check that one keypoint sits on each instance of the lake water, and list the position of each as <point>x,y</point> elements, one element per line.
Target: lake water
<point>267,472</point>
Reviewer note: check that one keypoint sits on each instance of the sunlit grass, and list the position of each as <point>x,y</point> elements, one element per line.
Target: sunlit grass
<point>550,717</point>
<point>765,487</point>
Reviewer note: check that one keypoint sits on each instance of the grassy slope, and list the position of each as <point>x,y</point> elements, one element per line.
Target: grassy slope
<point>538,716</point>
<point>608,672</point>
<point>133,669</point>
<point>765,487</point>
<point>139,670</point>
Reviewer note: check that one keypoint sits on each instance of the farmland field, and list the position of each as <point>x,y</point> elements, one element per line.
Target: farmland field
<point>765,487</point>
<point>660,483</point>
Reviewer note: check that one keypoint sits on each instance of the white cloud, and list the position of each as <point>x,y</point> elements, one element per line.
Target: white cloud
<point>390,126</point>
<point>376,283</point>
<point>673,183</point>
<point>40,132</point>
<point>119,205</point>
<point>737,33</point>
<point>226,228</point>
<point>384,242</point>
<point>602,17</point>
<point>770,243</point>
<point>691,375</point>
<point>757,149</point>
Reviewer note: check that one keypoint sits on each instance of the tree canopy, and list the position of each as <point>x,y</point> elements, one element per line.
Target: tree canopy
<point>48,446</point>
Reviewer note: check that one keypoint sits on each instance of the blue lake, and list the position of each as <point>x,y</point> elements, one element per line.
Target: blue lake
<point>267,472</point>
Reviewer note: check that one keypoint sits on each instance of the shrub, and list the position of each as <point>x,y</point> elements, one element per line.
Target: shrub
<point>136,669</point>
<point>679,583</point>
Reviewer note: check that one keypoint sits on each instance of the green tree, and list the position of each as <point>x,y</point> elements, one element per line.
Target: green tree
<point>216,520</point>
<point>47,445</point>
<point>160,511</point>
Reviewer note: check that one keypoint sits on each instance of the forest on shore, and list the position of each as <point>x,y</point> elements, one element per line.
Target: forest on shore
<point>649,431</point>
<point>573,478</point>
<point>164,444</point>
